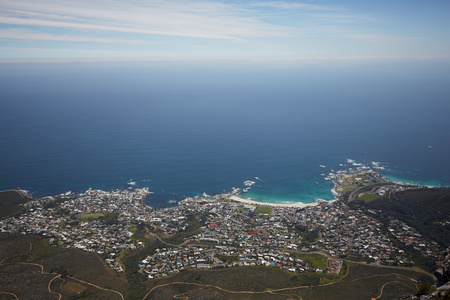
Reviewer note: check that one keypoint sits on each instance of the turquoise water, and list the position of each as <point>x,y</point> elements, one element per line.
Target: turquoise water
<point>307,192</point>
<point>185,129</point>
<point>429,183</point>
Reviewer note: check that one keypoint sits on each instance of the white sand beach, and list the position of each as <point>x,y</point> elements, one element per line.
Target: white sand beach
<point>290,205</point>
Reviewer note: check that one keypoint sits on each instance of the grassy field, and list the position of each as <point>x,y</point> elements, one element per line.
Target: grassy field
<point>263,210</point>
<point>74,287</point>
<point>133,229</point>
<point>91,216</point>
<point>315,261</point>
<point>368,197</point>
<point>228,258</point>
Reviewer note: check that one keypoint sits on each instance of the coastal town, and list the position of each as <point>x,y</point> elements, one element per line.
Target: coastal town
<point>226,231</point>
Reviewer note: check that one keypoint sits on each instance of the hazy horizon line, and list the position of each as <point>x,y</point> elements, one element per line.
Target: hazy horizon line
<point>249,59</point>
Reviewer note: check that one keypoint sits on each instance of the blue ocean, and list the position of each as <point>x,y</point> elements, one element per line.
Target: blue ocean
<point>186,128</point>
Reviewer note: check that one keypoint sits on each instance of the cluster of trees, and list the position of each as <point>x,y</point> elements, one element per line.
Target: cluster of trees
<point>308,236</point>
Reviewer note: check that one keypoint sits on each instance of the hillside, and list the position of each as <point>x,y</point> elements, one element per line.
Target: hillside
<point>427,210</point>
<point>437,198</point>
<point>84,276</point>
<point>22,256</point>
<point>10,202</point>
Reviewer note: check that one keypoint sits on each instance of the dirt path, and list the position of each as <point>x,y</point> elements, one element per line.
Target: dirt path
<point>57,276</point>
<point>387,283</point>
<point>8,293</point>
<point>31,248</point>
<point>279,291</point>
<point>99,287</point>
<point>43,273</point>
<point>164,242</point>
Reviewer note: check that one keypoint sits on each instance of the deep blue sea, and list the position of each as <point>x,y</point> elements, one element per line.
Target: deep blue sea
<point>182,129</point>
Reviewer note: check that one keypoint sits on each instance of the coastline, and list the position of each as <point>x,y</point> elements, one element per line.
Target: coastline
<point>22,193</point>
<point>280,205</point>
<point>426,183</point>
<point>337,178</point>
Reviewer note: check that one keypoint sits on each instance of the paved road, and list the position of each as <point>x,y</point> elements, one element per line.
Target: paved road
<point>162,241</point>
<point>356,192</point>
<point>367,187</point>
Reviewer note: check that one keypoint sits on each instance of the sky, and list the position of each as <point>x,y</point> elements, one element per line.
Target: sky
<point>256,29</point>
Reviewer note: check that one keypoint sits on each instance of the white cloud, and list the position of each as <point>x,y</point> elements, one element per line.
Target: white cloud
<point>203,27</point>
<point>173,18</point>
<point>24,34</point>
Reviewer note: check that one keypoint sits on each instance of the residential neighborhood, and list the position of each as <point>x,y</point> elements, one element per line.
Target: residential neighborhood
<point>231,234</point>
